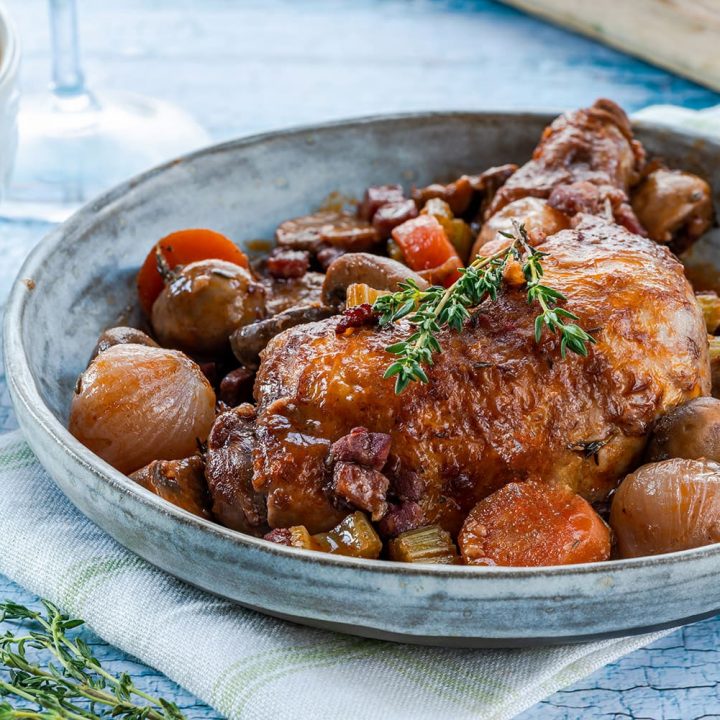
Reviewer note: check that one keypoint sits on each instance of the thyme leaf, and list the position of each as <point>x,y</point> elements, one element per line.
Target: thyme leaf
<point>56,677</point>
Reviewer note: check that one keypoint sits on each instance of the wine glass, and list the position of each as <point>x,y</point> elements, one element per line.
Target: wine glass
<point>75,143</point>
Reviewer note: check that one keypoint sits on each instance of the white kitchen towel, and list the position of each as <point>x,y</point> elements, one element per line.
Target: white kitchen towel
<point>704,122</point>
<point>242,663</point>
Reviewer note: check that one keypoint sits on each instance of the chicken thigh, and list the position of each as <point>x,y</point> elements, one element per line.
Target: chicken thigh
<point>498,406</point>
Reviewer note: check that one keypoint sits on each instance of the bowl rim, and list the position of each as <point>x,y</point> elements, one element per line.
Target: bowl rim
<point>24,390</point>
<point>10,55</point>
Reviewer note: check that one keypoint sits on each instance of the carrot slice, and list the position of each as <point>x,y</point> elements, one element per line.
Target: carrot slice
<point>533,524</point>
<point>180,248</point>
<point>425,244</point>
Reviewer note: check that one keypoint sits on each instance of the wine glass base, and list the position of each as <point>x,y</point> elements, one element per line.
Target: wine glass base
<point>74,148</point>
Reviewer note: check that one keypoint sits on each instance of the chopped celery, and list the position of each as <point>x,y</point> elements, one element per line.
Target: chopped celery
<point>354,536</point>
<point>429,544</point>
<point>361,294</point>
<point>710,305</point>
<point>301,538</point>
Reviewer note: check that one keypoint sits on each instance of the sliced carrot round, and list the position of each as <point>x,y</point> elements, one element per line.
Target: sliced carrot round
<point>180,248</point>
<point>533,524</point>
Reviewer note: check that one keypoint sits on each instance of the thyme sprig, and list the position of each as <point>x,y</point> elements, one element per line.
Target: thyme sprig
<point>431,309</point>
<point>61,677</point>
<point>572,336</point>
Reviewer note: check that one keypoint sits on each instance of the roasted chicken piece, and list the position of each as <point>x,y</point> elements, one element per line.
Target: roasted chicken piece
<point>585,162</point>
<point>592,145</point>
<point>539,218</point>
<point>675,207</point>
<point>228,471</point>
<point>498,407</point>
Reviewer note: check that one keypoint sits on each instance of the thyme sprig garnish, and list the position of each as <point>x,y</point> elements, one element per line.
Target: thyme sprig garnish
<point>431,309</point>
<point>61,677</point>
<point>572,336</point>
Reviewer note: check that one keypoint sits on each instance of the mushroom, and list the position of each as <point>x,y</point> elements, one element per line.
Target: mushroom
<point>378,272</point>
<point>674,206</point>
<point>203,303</point>
<point>121,335</point>
<point>248,341</point>
<point>690,431</point>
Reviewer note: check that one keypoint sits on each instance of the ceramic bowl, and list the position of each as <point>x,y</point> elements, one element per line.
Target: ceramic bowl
<point>9,97</point>
<point>83,280</point>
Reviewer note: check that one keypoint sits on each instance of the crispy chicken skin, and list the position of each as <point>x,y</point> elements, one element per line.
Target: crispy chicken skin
<point>499,407</point>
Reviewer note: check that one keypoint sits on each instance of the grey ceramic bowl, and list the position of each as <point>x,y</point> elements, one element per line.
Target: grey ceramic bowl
<point>82,280</point>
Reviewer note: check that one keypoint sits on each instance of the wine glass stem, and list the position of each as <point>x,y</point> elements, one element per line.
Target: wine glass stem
<point>67,75</point>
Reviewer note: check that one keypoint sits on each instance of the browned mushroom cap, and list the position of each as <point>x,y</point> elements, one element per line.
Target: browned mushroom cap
<point>378,272</point>
<point>181,482</point>
<point>121,335</point>
<point>674,206</point>
<point>248,341</point>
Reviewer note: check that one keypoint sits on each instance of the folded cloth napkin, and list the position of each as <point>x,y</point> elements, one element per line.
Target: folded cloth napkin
<point>705,122</point>
<point>242,663</point>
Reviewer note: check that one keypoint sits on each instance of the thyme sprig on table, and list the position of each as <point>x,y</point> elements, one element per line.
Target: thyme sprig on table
<point>431,309</point>
<point>56,677</point>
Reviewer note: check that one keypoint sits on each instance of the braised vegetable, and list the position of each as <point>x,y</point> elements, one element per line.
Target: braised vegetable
<point>247,342</point>
<point>709,303</point>
<point>181,248</point>
<point>667,506</point>
<point>424,243</point>
<point>354,536</point>
<point>674,206</point>
<point>120,336</point>
<point>292,293</point>
<point>430,544</point>
<point>135,404</point>
<point>714,354</point>
<point>533,524</point>
<point>378,272</point>
<point>181,482</point>
<point>689,431</point>
<point>458,231</point>
<point>299,537</point>
<point>362,294</point>
<point>203,303</point>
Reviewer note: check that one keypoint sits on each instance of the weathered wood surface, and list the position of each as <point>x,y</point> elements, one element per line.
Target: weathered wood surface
<point>243,67</point>
<point>680,35</point>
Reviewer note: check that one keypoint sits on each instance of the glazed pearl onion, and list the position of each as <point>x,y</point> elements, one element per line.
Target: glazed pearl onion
<point>135,404</point>
<point>667,506</point>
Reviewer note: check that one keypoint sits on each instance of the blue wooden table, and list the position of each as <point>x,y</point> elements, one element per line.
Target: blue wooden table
<point>241,67</point>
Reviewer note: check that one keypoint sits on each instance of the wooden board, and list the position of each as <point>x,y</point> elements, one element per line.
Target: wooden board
<point>679,35</point>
